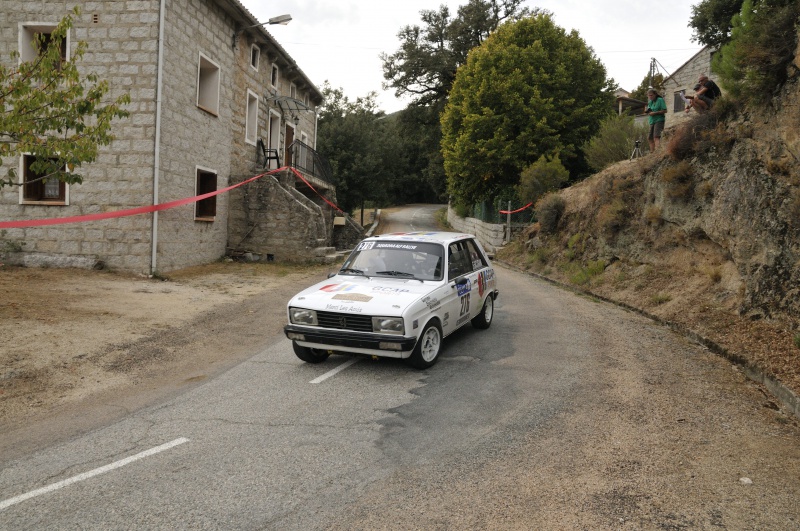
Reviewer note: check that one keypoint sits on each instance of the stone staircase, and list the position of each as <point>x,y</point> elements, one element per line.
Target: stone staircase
<point>325,254</point>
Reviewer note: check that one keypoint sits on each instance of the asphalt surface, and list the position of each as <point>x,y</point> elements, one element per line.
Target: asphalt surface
<point>566,414</point>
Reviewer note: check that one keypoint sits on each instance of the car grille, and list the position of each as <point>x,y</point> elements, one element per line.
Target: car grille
<point>345,321</point>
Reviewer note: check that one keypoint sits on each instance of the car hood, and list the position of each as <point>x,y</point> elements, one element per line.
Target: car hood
<point>368,295</point>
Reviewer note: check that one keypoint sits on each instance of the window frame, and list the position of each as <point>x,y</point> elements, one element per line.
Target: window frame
<point>205,209</point>
<point>208,84</point>
<point>475,255</point>
<point>458,261</point>
<point>24,189</point>
<point>26,34</point>
<point>293,91</point>
<point>274,76</point>
<point>678,105</point>
<point>255,56</point>
<point>251,118</point>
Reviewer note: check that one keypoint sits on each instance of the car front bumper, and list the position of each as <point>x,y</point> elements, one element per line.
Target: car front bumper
<point>348,341</point>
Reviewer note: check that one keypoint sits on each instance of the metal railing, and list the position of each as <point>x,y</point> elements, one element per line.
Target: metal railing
<point>307,160</point>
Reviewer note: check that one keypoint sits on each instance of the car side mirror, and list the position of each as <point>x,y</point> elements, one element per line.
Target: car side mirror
<point>331,275</point>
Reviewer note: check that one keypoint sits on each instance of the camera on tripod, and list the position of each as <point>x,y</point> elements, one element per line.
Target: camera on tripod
<point>637,151</point>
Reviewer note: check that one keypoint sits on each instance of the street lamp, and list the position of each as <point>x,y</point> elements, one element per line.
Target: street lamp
<point>280,19</point>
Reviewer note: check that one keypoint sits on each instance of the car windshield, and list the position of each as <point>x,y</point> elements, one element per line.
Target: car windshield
<point>401,259</point>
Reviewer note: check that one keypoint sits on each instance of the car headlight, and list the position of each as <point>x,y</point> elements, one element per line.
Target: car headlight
<point>388,325</point>
<point>301,316</point>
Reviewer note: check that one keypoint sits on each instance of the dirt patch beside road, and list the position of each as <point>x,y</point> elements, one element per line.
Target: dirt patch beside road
<point>90,345</point>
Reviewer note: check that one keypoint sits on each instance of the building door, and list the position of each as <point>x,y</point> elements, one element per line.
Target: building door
<point>288,138</point>
<point>274,139</point>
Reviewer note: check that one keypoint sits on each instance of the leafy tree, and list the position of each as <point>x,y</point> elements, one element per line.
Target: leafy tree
<point>530,89</point>
<point>350,135</point>
<point>656,82</point>
<point>544,175</point>
<point>615,141</point>
<point>49,110</point>
<point>424,68</point>
<point>425,65</point>
<point>754,63</point>
<point>711,21</point>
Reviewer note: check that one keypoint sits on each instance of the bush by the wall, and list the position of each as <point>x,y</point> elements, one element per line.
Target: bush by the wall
<point>549,210</point>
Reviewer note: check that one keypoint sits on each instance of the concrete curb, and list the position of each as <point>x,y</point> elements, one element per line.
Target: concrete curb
<point>375,224</point>
<point>787,397</point>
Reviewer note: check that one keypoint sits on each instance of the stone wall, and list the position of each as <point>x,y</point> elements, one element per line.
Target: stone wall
<point>122,38</point>
<point>491,235</point>
<point>685,78</point>
<point>271,220</point>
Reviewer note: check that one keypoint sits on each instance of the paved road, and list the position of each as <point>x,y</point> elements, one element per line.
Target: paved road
<point>565,414</point>
<point>410,218</point>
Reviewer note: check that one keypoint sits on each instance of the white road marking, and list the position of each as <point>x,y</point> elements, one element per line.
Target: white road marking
<point>86,475</point>
<point>333,372</point>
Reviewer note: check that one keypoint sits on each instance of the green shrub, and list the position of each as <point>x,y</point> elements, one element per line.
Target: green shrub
<point>797,340</point>
<point>544,175</point>
<point>549,210</point>
<point>583,275</point>
<point>614,141</point>
<point>537,257</point>
<point>462,211</point>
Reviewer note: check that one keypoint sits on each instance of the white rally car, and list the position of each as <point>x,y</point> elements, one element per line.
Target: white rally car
<point>397,296</point>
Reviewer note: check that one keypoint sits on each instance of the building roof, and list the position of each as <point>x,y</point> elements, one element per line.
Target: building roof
<point>241,14</point>
<point>684,65</point>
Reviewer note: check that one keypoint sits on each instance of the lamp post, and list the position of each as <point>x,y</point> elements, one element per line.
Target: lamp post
<point>280,20</point>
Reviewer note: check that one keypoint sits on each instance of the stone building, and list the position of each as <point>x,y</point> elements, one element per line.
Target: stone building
<point>682,81</point>
<point>214,99</point>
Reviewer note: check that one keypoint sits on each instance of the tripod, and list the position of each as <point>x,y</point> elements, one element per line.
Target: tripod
<point>637,151</point>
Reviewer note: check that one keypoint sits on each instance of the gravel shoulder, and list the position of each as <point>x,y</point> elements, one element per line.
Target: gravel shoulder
<point>81,348</point>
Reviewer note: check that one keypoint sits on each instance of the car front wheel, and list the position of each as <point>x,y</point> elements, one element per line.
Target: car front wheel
<point>310,355</point>
<point>484,319</point>
<point>426,352</point>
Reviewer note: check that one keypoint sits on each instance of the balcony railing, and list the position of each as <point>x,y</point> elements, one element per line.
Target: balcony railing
<point>305,159</point>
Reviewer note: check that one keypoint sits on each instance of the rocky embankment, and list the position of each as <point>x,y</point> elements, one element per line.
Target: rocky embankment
<point>704,234</point>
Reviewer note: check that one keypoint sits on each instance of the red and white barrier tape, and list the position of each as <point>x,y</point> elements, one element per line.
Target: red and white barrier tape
<point>515,211</point>
<point>145,209</point>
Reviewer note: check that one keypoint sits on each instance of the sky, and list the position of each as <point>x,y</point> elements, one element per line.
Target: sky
<point>341,41</point>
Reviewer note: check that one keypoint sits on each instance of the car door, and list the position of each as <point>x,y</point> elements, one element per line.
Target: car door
<point>458,305</point>
<point>481,276</point>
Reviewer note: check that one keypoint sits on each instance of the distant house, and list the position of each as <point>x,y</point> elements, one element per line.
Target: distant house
<point>683,81</point>
<point>629,106</point>
<point>214,99</point>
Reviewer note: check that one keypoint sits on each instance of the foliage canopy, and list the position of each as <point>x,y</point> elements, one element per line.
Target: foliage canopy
<point>530,89</point>
<point>711,21</point>
<point>424,67</point>
<point>754,63</point>
<point>48,109</point>
<point>656,82</point>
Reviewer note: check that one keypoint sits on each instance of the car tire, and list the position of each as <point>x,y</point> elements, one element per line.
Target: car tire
<point>429,344</point>
<point>484,319</point>
<point>310,355</point>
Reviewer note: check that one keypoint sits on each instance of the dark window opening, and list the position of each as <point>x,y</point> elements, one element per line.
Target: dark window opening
<point>37,187</point>
<point>206,183</point>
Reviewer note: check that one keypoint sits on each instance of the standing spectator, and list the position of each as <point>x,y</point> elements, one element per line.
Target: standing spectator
<point>656,109</point>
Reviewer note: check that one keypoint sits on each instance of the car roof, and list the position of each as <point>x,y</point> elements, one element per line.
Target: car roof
<point>423,236</point>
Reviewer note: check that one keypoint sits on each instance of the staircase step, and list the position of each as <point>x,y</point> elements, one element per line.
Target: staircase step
<point>324,251</point>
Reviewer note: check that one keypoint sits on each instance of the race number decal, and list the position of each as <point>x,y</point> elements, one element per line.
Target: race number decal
<point>464,305</point>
